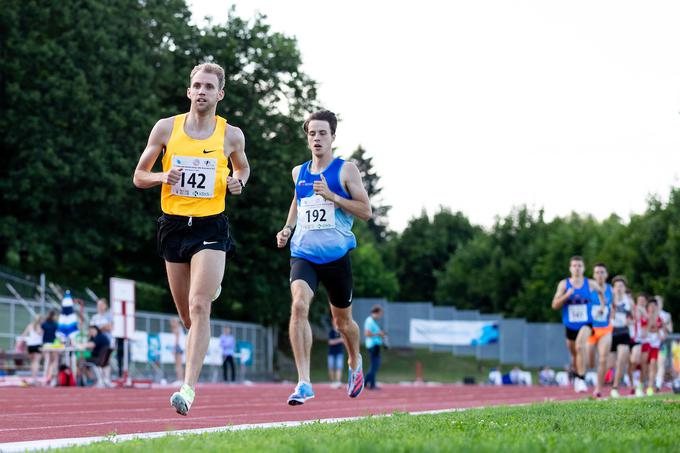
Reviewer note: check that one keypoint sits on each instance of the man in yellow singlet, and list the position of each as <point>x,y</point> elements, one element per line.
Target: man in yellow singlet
<point>193,232</point>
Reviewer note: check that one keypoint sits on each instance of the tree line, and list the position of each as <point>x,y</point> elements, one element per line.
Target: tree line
<point>81,85</point>
<point>514,266</point>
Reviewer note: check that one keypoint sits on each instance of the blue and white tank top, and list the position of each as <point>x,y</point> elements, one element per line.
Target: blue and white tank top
<point>600,318</point>
<point>623,312</point>
<point>323,232</point>
<point>575,309</point>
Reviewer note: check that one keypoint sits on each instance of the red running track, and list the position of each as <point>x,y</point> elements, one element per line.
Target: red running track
<point>53,413</point>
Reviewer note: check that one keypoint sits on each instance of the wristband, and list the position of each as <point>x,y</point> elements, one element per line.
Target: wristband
<point>243,186</point>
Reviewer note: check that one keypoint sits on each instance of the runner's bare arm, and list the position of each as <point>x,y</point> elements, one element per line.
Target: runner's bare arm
<point>236,149</point>
<point>359,205</point>
<point>561,295</point>
<point>287,231</point>
<point>600,292</point>
<point>144,178</point>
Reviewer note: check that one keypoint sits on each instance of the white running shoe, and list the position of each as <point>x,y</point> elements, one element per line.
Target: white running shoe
<point>183,399</point>
<point>580,385</point>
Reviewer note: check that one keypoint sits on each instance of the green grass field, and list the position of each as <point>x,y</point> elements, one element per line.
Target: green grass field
<point>628,425</point>
<point>399,365</point>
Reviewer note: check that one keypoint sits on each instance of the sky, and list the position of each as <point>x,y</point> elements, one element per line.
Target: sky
<point>483,106</point>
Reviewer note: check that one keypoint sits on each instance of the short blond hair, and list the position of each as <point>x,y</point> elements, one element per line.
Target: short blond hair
<point>210,68</point>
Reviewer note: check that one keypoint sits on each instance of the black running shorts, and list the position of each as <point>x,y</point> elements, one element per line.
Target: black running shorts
<point>620,336</point>
<point>179,238</point>
<point>335,276</point>
<point>571,334</point>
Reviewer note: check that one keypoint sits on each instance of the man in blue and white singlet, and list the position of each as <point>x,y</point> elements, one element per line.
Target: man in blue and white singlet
<point>329,193</point>
<point>601,313</point>
<point>572,297</point>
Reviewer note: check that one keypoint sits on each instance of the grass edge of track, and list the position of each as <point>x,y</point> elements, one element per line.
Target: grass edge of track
<point>644,424</point>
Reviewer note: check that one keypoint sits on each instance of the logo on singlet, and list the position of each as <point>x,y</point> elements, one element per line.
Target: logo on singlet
<point>206,151</point>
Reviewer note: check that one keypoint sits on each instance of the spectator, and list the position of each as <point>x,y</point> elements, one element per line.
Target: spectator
<point>49,328</point>
<point>547,376</point>
<point>178,351</point>
<point>336,356</point>
<point>515,376</point>
<point>495,377</point>
<point>33,336</point>
<point>228,346</point>
<point>374,341</point>
<point>98,345</point>
<point>518,376</point>
<point>103,319</point>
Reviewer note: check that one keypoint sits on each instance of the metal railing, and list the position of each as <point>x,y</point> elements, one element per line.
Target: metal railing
<point>16,314</point>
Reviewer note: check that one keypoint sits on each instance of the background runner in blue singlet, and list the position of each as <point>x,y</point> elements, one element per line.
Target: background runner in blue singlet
<point>572,297</point>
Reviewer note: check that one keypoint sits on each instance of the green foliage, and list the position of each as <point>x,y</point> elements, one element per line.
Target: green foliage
<point>82,85</point>
<point>377,224</point>
<point>152,297</point>
<point>514,268</point>
<point>424,248</point>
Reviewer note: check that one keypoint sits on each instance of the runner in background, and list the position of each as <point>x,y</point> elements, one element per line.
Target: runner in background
<point>621,322</point>
<point>336,355</point>
<point>639,353</point>
<point>601,317</point>
<point>573,297</point>
<point>654,333</point>
<point>668,329</point>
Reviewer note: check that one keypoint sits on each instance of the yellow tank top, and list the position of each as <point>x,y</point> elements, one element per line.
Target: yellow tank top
<point>203,187</point>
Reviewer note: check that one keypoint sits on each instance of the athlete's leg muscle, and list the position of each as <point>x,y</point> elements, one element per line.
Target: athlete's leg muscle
<point>207,270</point>
<point>644,367</point>
<point>622,356</point>
<point>179,275</point>
<point>581,347</point>
<point>299,330</point>
<point>571,347</point>
<point>603,347</point>
<point>591,355</point>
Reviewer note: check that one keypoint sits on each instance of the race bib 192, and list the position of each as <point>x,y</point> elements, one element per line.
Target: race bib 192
<point>578,313</point>
<point>316,213</point>
<point>198,177</point>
